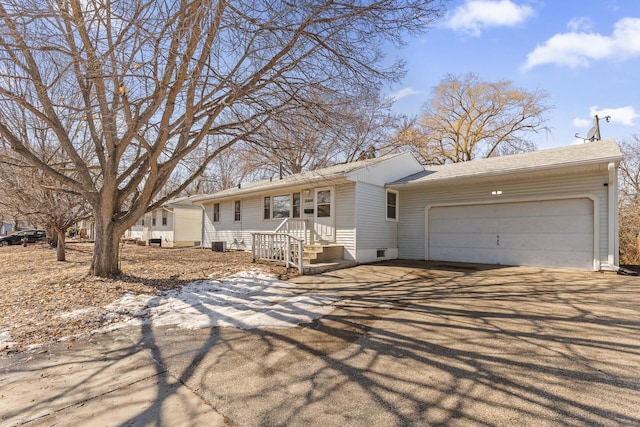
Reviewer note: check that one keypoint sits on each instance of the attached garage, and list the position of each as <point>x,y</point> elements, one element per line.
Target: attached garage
<point>550,208</point>
<point>551,233</point>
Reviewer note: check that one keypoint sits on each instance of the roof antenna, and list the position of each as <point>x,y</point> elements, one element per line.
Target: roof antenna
<point>594,132</point>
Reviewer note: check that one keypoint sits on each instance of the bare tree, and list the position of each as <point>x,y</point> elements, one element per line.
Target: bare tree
<point>629,201</point>
<point>31,194</point>
<point>344,129</point>
<point>130,89</point>
<point>469,118</point>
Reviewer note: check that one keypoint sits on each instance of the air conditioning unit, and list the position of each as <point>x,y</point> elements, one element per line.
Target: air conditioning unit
<point>219,246</point>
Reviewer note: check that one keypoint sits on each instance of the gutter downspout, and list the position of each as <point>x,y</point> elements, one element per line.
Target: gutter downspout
<point>612,209</point>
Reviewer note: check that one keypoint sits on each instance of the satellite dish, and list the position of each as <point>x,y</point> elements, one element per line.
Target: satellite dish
<point>591,135</point>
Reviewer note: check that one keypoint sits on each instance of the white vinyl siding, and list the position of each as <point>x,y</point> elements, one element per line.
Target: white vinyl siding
<point>411,231</point>
<point>345,219</point>
<point>373,231</point>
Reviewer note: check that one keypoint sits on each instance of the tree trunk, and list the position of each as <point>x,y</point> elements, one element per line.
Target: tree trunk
<point>106,251</point>
<point>60,252</point>
<point>53,243</point>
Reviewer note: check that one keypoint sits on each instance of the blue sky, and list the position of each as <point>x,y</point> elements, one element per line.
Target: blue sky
<point>584,53</point>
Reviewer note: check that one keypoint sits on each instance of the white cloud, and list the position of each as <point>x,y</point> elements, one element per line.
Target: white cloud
<point>581,23</point>
<point>476,15</point>
<point>578,49</point>
<point>581,123</point>
<point>623,115</point>
<point>402,93</point>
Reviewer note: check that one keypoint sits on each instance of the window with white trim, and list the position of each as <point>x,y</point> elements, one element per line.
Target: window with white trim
<point>392,205</point>
<point>216,212</point>
<point>282,206</point>
<point>164,217</point>
<point>267,208</point>
<point>236,210</point>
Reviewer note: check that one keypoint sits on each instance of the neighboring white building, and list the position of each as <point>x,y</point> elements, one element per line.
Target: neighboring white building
<point>550,208</point>
<point>176,224</point>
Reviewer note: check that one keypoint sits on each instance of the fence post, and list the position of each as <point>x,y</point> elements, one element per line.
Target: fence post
<point>300,251</point>
<point>287,261</point>
<point>253,248</point>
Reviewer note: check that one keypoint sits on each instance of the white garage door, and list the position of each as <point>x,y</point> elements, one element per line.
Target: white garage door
<point>553,233</point>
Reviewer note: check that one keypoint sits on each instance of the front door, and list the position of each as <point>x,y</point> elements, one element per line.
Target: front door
<point>324,215</point>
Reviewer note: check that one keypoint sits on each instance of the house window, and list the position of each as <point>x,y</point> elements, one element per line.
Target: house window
<point>323,203</point>
<point>153,219</point>
<point>216,212</point>
<point>236,210</point>
<point>140,221</point>
<point>281,206</point>
<point>296,205</point>
<point>164,217</point>
<point>392,205</point>
<point>267,207</point>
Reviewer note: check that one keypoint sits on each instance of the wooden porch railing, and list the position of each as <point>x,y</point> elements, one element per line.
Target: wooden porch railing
<point>295,227</point>
<point>280,247</point>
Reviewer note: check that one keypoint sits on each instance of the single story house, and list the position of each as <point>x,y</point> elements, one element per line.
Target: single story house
<point>5,228</point>
<point>176,224</point>
<point>549,208</point>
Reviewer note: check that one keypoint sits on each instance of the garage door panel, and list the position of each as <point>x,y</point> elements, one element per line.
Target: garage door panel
<point>470,225</point>
<point>557,233</point>
<point>462,212</point>
<point>463,240</point>
<point>456,254</point>
<point>545,258</point>
<point>547,242</point>
<point>549,224</point>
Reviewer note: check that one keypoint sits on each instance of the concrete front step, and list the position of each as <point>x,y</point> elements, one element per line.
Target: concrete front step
<point>314,254</point>
<point>327,266</point>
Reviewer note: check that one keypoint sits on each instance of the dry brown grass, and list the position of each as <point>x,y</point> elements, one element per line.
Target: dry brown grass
<point>35,289</point>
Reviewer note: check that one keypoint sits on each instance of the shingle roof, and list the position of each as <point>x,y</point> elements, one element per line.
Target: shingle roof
<point>554,158</point>
<point>330,174</point>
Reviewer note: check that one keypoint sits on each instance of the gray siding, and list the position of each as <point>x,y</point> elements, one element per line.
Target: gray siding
<point>413,201</point>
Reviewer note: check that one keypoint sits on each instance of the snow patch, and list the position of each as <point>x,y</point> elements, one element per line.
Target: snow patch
<point>6,341</point>
<point>247,300</point>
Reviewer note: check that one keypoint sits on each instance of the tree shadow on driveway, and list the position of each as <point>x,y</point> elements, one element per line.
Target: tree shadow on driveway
<point>414,343</point>
<point>427,344</point>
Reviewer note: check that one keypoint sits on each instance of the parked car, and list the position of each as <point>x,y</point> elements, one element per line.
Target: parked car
<point>26,236</point>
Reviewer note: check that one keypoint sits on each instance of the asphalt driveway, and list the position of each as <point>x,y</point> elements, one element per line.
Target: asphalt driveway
<point>409,343</point>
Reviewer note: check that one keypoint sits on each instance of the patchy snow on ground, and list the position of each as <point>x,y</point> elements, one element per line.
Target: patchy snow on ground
<point>5,340</point>
<point>247,300</point>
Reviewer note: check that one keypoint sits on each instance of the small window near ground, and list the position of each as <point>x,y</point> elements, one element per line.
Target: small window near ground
<point>267,208</point>
<point>392,205</point>
<point>164,217</point>
<point>381,253</point>
<point>236,210</point>
<point>216,212</point>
